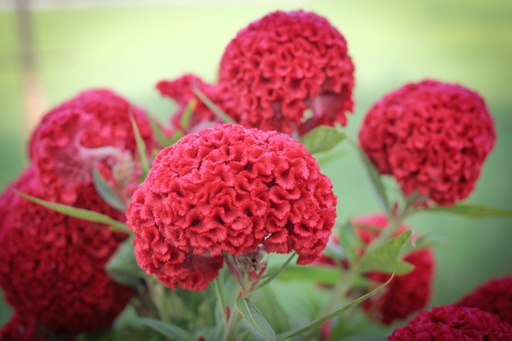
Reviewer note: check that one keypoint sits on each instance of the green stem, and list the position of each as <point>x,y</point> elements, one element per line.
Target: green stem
<point>234,318</point>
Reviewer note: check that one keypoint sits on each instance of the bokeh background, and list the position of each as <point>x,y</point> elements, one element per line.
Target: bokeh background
<point>129,45</point>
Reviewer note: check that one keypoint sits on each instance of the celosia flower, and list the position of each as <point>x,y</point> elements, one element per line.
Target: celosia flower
<point>283,64</point>
<point>494,296</point>
<point>454,323</point>
<point>227,190</point>
<point>92,130</point>
<point>52,265</point>
<point>20,328</point>
<point>181,90</point>
<point>432,137</point>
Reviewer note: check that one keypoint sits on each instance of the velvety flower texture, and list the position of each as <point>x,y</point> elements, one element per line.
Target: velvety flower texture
<point>181,90</point>
<point>494,296</point>
<point>20,328</point>
<point>432,137</point>
<point>283,64</point>
<point>406,293</point>
<point>454,323</point>
<point>91,130</point>
<point>227,190</point>
<point>52,265</point>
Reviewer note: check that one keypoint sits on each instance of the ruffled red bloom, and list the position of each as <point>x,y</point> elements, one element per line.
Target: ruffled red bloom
<point>181,90</point>
<point>52,265</point>
<point>432,137</point>
<point>283,64</point>
<point>494,296</point>
<point>454,323</point>
<point>91,130</point>
<point>227,190</point>
<point>20,328</point>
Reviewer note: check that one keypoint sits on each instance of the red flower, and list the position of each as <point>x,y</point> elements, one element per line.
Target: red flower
<point>432,137</point>
<point>283,64</point>
<point>52,265</point>
<point>181,91</point>
<point>494,296</point>
<point>227,190</point>
<point>91,130</point>
<point>20,328</point>
<point>454,323</point>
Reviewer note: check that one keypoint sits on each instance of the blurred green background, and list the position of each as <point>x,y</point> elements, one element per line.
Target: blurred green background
<point>129,49</point>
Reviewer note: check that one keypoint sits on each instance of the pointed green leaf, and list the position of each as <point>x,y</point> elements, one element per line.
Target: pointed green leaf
<point>319,321</point>
<point>106,191</point>
<point>375,182</point>
<point>473,210</point>
<point>255,318</point>
<point>187,114</point>
<point>157,131</point>
<point>79,213</point>
<point>122,266</point>
<point>348,241</point>
<point>170,330</point>
<point>215,109</point>
<point>321,139</point>
<point>310,273</point>
<point>385,257</point>
<point>141,148</point>
<point>270,307</point>
<point>274,273</point>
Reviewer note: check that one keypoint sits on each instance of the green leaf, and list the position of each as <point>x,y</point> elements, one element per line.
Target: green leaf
<point>157,131</point>
<point>141,148</point>
<point>215,109</point>
<point>275,272</point>
<point>348,241</point>
<point>376,183</point>
<point>122,266</point>
<point>255,318</point>
<point>321,139</point>
<point>385,258</point>
<point>270,307</point>
<point>473,210</point>
<point>170,330</point>
<point>79,213</point>
<point>187,114</point>
<point>310,273</point>
<point>106,191</point>
<point>319,321</point>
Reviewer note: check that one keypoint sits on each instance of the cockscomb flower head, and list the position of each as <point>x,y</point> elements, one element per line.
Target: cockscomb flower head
<point>432,137</point>
<point>228,190</point>
<point>52,265</point>
<point>92,130</point>
<point>494,296</point>
<point>181,90</point>
<point>283,64</point>
<point>453,323</point>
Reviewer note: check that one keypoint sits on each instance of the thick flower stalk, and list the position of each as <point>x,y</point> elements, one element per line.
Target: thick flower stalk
<point>453,323</point>
<point>52,265</point>
<point>494,296</point>
<point>227,191</point>
<point>283,64</point>
<point>432,137</point>
<point>92,130</point>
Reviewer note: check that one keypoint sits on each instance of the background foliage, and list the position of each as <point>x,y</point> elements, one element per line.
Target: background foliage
<point>392,42</point>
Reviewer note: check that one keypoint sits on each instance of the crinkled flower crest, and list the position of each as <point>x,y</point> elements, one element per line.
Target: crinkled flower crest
<point>92,130</point>
<point>52,265</point>
<point>283,64</point>
<point>227,190</point>
<point>432,137</point>
<point>494,296</point>
<point>454,323</point>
